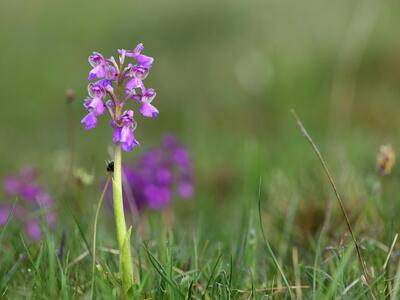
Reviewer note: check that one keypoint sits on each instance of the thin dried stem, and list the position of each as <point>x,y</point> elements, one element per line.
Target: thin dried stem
<point>95,232</point>
<point>339,199</point>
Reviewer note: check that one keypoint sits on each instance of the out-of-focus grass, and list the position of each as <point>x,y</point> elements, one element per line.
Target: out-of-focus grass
<point>226,74</point>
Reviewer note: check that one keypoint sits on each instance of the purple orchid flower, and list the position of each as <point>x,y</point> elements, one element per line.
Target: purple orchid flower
<point>109,73</point>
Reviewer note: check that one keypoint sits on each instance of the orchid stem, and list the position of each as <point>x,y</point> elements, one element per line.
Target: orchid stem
<point>122,237</point>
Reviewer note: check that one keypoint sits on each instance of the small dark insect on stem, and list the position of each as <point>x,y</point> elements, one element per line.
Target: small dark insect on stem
<point>339,199</point>
<point>110,166</point>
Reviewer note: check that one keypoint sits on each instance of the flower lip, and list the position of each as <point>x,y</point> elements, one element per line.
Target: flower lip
<point>148,110</point>
<point>90,121</point>
<point>145,61</point>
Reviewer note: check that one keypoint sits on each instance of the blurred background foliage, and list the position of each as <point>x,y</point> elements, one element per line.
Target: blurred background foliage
<point>226,75</point>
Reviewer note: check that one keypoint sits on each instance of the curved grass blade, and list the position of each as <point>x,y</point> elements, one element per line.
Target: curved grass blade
<point>211,276</point>
<point>189,293</point>
<point>82,234</point>
<point>160,270</point>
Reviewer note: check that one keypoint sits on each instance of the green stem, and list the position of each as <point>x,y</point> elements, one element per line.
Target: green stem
<point>122,237</point>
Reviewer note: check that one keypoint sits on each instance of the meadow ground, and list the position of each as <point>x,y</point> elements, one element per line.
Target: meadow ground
<point>264,221</point>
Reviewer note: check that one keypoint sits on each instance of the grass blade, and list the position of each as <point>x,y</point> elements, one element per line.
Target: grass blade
<point>161,271</point>
<point>268,246</point>
<point>211,276</point>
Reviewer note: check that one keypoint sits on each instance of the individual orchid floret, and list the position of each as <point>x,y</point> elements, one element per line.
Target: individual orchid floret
<point>95,105</point>
<point>98,63</point>
<point>137,71</point>
<point>147,109</point>
<point>97,89</point>
<point>123,131</point>
<point>132,85</point>
<point>121,84</point>
<point>102,68</point>
<point>145,98</point>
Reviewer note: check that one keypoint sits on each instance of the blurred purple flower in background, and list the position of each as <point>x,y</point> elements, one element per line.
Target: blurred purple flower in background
<point>159,175</point>
<point>31,201</point>
<point>109,73</point>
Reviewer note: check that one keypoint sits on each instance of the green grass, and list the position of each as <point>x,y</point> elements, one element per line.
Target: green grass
<point>190,262</point>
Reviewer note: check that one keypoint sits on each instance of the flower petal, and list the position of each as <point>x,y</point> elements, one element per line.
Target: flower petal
<point>117,135</point>
<point>97,106</point>
<point>145,61</point>
<point>90,121</point>
<point>149,95</point>
<point>135,52</point>
<point>133,83</point>
<point>128,140</point>
<point>148,110</point>
<point>122,54</point>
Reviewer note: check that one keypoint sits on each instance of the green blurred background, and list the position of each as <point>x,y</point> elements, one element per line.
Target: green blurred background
<point>226,73</point>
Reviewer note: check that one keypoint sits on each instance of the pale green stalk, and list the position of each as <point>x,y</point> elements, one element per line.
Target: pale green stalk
<point>122,237</point>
